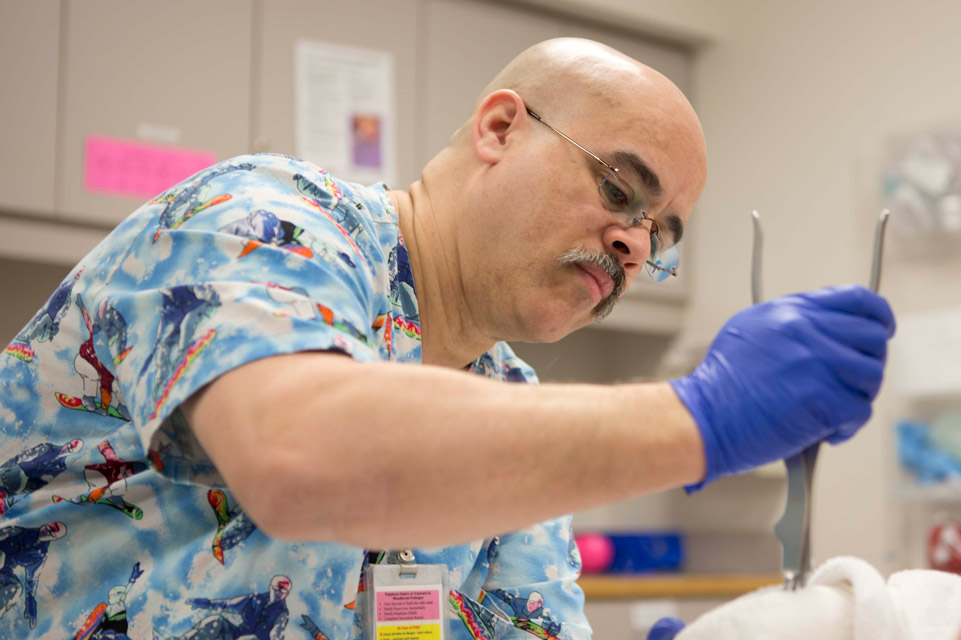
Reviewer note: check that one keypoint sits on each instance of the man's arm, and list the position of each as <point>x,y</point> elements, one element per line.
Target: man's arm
<point>382,455</point>
<point>316,446</point>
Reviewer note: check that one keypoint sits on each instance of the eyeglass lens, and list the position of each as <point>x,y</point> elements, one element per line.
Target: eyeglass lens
<point>663,265</point>
<point>618,197</point>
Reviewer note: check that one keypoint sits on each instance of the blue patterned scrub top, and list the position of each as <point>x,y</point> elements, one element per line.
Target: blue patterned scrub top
<point>115,524</point>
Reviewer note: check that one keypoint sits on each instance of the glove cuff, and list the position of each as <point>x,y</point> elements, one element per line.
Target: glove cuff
<point>687,390</point>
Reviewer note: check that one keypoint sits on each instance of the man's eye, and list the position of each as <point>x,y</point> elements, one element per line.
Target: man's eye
<point>615,196</point>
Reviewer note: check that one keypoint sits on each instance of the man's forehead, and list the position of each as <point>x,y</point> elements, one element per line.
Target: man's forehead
<point>645,127</point>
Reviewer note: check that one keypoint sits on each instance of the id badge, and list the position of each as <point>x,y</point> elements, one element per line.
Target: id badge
<point>407,602</point>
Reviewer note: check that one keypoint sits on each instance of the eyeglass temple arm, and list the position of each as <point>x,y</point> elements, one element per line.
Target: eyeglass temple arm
<point>670,270</point>
<point>569,139</point>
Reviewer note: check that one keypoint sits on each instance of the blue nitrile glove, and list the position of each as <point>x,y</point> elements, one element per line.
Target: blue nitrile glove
<point>787,373</point>
<point>665,629</point>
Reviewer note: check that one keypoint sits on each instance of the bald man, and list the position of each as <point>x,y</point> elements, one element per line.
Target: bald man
<point>263,320</point>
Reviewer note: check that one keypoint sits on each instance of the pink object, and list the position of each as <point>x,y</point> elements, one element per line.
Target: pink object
<point>597,552</point>
<point>132,168</point>
<point>944,546</point>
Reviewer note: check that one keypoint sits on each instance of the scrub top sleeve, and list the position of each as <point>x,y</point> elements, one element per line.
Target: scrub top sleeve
<point>192,303</point>
<point>532,581</point>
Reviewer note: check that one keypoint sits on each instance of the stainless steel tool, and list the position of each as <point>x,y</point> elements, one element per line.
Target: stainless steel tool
<point>794,527</point>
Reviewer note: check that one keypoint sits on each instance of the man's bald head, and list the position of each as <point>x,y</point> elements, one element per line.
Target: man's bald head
<point>573,77</point>
<point>567,80</point>
<point>549,71</point>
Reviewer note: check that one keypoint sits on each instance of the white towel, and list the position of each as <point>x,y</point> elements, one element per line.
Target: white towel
<point>930,603</point>
<point>846,599</point>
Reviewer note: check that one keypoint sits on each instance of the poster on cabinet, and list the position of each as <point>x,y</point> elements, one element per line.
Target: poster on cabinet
<point>345,110</point>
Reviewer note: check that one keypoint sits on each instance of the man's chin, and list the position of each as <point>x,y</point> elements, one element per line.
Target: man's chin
<point>544,334</point>
<point>548,323</point>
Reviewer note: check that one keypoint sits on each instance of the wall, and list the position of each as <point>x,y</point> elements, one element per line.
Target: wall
<point>798,101</point>
<point>691,22</point>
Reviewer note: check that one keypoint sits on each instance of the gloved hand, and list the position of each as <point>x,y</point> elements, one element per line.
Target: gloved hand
<point>787,373</point>
<point>665,629</point>
<point>30,610</point>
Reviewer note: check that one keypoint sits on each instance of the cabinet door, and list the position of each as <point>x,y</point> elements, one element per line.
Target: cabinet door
<point>175,74</point>
<point>466,43</point>
<point>383,25</point>
<point>29,45</point>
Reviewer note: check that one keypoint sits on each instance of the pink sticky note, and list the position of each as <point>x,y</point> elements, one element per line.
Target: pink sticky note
<point>132,168</point>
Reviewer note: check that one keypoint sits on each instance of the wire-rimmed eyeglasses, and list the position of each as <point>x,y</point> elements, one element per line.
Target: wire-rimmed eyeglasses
<point>619,198</point>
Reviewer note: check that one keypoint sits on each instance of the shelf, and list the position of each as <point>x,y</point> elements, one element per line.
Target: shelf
<point>63,244</point>
<point>606,587</point>
<point>945,492</point>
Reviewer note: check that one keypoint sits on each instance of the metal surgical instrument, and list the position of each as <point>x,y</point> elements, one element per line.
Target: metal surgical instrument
<point>794,527</point>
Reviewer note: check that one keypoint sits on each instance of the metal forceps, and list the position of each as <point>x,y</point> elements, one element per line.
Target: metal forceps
<point>794,527</point>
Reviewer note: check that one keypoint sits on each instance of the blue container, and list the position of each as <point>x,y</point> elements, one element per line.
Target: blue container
<point>647,552</point>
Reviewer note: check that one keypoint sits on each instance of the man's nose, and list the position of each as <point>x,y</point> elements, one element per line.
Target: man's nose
<point>631,245</point>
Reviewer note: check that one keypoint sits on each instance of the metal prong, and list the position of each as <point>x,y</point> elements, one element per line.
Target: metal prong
<point>790,527</point>
<point>756,259</point>
<point>790,584</point>
<point>794,527</point>
<point>878,249</point>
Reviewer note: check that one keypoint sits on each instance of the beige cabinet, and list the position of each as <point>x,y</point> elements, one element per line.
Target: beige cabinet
<point>174,73</point>
<point>29,49</point>
<point>466,43</point>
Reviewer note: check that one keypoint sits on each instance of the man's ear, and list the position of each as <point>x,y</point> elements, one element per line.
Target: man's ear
<point>495,121</point>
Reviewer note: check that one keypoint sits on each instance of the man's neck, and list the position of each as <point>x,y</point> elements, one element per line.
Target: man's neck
<point>449,336</point>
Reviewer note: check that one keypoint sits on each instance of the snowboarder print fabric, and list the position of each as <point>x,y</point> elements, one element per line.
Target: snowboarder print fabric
<point>113,523</point>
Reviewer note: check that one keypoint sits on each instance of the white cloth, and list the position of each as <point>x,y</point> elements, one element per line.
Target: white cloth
<point>846,599</point>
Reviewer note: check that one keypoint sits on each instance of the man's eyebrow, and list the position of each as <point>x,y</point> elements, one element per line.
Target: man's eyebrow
<point>630,160</point>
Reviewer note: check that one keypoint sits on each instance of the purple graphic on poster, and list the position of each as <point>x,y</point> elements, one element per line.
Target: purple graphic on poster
<point>366,140</point>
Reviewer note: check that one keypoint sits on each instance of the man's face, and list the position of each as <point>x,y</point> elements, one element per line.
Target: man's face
<point>547,205</point>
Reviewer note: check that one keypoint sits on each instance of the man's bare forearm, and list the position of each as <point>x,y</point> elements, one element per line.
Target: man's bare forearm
<point>317,446</point>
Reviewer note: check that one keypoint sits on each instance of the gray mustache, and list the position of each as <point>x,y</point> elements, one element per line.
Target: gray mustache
<point>611,266</point>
